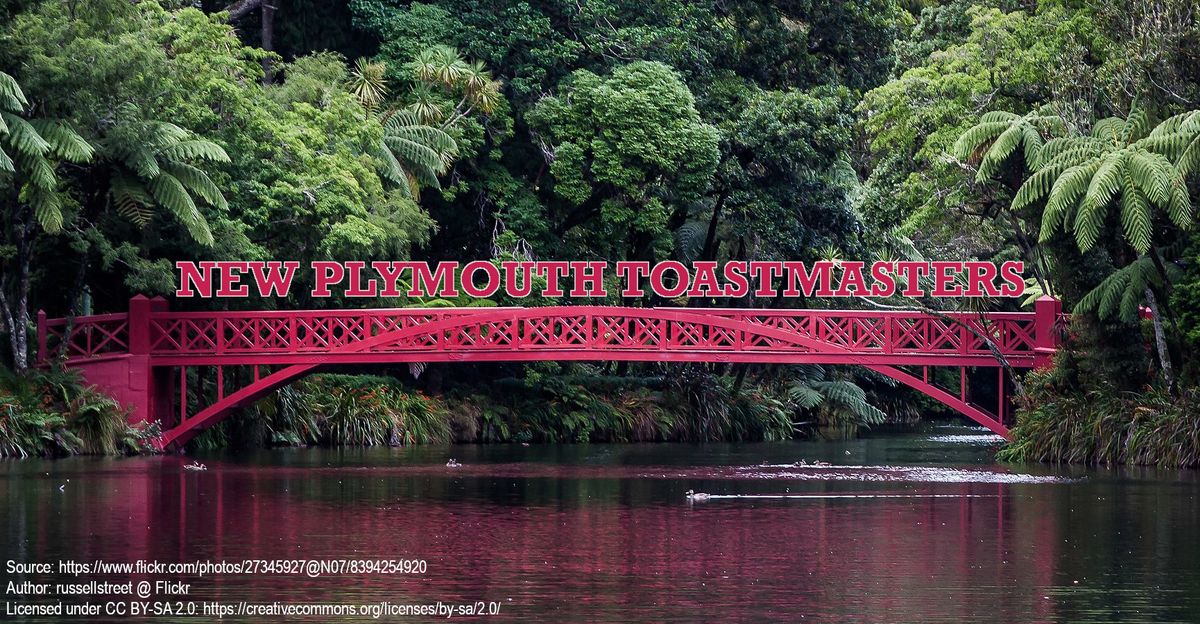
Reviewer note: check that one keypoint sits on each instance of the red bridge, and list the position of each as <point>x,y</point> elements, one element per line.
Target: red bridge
<point>141,357</point>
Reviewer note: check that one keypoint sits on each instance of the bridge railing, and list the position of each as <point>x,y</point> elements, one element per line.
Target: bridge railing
<point>150,328</point>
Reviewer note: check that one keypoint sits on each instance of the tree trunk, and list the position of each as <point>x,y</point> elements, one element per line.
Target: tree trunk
<point>1160,342</point>
<point>16,311</point>
<point>239,9</point>
<point>268,37</point>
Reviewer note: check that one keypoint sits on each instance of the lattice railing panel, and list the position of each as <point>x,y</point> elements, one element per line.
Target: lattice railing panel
<point>90,336</point>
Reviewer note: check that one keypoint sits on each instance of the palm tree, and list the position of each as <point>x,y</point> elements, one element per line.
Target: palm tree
<point>368,83</point>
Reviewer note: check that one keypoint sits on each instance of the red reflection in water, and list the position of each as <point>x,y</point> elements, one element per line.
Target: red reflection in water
<point>589,545</point>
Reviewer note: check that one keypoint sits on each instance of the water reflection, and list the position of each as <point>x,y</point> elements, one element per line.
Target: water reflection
<point>895,529</point>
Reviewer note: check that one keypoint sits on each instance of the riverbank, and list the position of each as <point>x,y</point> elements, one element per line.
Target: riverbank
<point>53,414</point>
<point>1065,423</point>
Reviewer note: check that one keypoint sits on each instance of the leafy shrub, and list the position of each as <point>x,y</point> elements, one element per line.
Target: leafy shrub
<point>51,413</point>
<point>360,410</point>
<point>1059,422</point>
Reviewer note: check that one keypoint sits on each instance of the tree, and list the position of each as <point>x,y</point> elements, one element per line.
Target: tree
<point>1121,164</point>
<point>629,149</point>
<point>29,151</point>
<point>414,154</point>
<point>148,167</point>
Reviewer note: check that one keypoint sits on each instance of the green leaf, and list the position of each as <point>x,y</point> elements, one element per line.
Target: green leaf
<point>198,182</point>
<point>169,192</point>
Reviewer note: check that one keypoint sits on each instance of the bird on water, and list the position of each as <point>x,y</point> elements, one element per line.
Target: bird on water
<point>693,495</point>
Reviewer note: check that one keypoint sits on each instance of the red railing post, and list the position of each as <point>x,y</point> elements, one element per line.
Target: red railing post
<point>139,325</point>
<point>42,356</point>
<point>1046,311</point>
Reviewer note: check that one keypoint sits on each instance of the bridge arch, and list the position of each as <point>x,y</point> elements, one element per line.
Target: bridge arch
<point>412,344</point>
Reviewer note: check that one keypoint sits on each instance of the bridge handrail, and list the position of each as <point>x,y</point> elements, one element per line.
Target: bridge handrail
<point>190,333</point>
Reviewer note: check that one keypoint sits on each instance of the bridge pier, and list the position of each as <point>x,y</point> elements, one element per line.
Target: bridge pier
<point>130,377</point>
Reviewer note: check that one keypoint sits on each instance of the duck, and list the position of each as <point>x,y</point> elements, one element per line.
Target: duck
<point>195,465</point>
<point>693,495</point>
<point>453,463</point>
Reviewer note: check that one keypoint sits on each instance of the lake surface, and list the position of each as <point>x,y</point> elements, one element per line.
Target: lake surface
<point>913,527</point>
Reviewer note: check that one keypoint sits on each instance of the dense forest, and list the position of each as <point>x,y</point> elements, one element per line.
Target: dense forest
<point>1061,133</point>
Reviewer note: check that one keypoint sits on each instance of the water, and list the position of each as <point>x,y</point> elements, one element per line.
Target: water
<point>918,527</point>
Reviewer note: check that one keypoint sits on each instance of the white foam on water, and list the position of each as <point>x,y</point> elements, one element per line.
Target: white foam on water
<point>829,496</point>
<point>986,438</point>
<point>917,474</point>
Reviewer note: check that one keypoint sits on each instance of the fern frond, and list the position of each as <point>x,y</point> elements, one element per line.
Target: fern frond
<point>38,170</point>
<point>1136,125</point>
<point>198,182</point>
<point>194,149</point>
<point>975,137</point>
<point>389,168</point>
<point>414,153</point>
<point>11,97</point>
<point>805,396</point>
<point>47,207</point>
<point>1152,174</point>
<point>1109,130</point>
<point>170,193</point>
<point>1169,145</point>
<point>1031,140</point>
<point>1064,198</point>
<point>689,241</point>
<point>1188,161</point>
<point>1135,216</point>
<point>64,141</point>
<point>1121,292</point>
<point>23,136</point>
<point>1001,149</point>
<point>131,200</point>
<point>1075,154</point>
<point>1037,186</point>
<point>998,117</point>
<point>1179,206</point>
<point>143,162</point>
<point>158,134</point>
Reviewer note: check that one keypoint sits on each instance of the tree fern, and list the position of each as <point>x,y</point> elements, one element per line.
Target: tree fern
<point>29,151</point>
<point>152,165</point>
<point>1122,292</point>
<point>411,150</point>
<point>1117,166</point>
<point>838,401</point>
<point>999,134</point>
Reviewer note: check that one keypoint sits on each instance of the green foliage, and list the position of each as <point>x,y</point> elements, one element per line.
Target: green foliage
<point>1064,423</point>
<point>353,410</point>
<point>49,414</point>
<point>836,401</point>
<point>414,153</point>
<point>963,59</point>
<point>1122,292</point>
<point>29,151</point>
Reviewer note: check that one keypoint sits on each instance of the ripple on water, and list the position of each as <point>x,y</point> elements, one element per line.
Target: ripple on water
<point>983,439</point>
<point>917,474</point>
